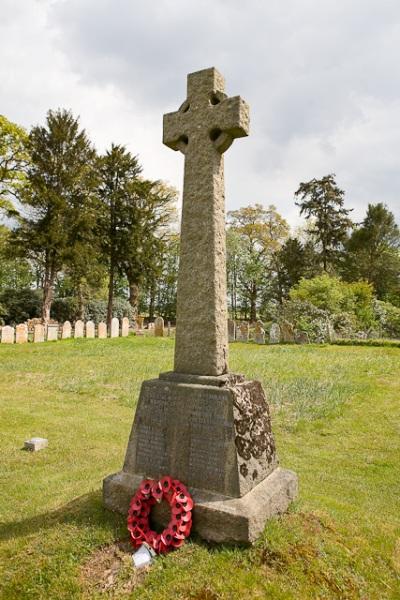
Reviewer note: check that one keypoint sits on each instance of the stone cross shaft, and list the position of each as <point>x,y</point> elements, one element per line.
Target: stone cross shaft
<point>203,129</point>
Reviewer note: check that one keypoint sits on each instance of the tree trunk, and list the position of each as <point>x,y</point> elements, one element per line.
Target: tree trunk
<point>152,301</point>
<point>110,295</point>
<point>48,286</point>
<point>253,305</point>
<point>134,297</point>
<point>81,303</point>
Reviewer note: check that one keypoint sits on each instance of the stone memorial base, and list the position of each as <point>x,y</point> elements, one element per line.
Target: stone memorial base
<point>213,434</point>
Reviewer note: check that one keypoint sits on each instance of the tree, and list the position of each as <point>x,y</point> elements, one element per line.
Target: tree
<point>14,159</point>
<point>294,260</point>
<point>147,237</point>
<point>15,272</point>
<point>372,252</point>
<point>117,211</point>
<point>56,198</point>
<point>259,232</point>
<point>322,203</point>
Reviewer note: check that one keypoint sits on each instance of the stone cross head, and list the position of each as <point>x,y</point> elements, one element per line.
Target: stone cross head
<point>207,117</point>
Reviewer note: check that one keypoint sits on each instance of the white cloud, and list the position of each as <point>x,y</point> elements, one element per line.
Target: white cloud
<point>320,77</point>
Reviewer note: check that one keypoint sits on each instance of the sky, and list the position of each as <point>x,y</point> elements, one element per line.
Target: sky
<point>321,78</point>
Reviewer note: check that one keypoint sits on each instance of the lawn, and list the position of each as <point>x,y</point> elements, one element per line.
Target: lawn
<point>336,416</point>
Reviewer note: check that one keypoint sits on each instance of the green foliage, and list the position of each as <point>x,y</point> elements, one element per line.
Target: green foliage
<point>335,296</point>
<point>15,272</point>
<point>322,203</point>
<point>14,158</point>
<point>324,292</point>
<point>254,235</point>
<point>373,252</point>
<point>18,305</point>
<point>57,198</point>
<point>388,318</point>
<point>96,310</point>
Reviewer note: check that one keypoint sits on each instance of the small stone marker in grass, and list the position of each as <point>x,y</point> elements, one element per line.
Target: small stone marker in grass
<point>102,331</point>
<point>231,330</point>
<point>90,329</point>
<point>159,327</point>
<point>275,334</point>
<point>203,425</point>
<point>259,333</point>
<point>114,331</point>
<point>125,327</point>
<point>52,333</point>
<point>38,333</point>
<point>78,330</point>
<point>35,444</point>
<point>21,333</point>
<point>66,330</point>
<point>242,332</point>
<point>7,335</point>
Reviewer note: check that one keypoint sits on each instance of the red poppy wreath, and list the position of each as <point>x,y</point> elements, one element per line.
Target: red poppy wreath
<point>178,529</point>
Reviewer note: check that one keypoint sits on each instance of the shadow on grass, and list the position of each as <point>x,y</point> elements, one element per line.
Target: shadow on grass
<point>83,511</point>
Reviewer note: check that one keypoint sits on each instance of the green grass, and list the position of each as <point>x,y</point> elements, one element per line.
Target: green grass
<point>336,416</point>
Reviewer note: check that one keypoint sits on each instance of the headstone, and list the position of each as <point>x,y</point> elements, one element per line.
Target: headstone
<point>242,332</point>
<point>259,333</point>
<point>35,444</point>
<point>330,331</point>
<point>169,328</point>
<point>207,427</point>
<point>231,330</point>
<point>139,322</point>
<point>66,330</point>
<point>150,326</point>
<point>21,333</point>
<point>38,333</point>
<point>159,327</point>
<point>287,332</point>
<point>114,331</point>
<point>125,327</point>
<point>52,332</point>
<point>78,331</point>
<point>275,334</point>
<point>7,334</point>
<point>301,337</point>
<point>90,329</point>
<point>102,331</point>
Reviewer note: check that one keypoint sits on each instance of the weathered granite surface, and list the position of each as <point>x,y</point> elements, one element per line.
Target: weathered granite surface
<point>203,128</point>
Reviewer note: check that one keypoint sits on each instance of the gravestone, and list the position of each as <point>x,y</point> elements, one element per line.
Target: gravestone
<point>78,330</point>
<point>150,326</point>
<point>159,327</point>
<point>66,330</point>
<point>275,334</point>
<point>102,331</point>
<point>21,333</point>
<point>287,332</point>
<point>52,333</point>
<point>330,331</point>
<point>7,334</point>
<point>125,327</point>
<point>201,424</point>
<point>139,322</point>
<point>114,331</point>
<point>38,333</point>
<point>242,332</point>
<point>169,329</point>
<point>90,330</point>
<point>259,333</point>
<point>231,330</point>
<point>301,337</point>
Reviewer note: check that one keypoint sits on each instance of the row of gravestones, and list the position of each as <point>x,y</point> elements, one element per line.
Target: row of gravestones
<point>240,332</point>
<point>51,333</point>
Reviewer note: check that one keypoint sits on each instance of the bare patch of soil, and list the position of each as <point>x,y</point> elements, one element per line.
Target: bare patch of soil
<point>110,570</point>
